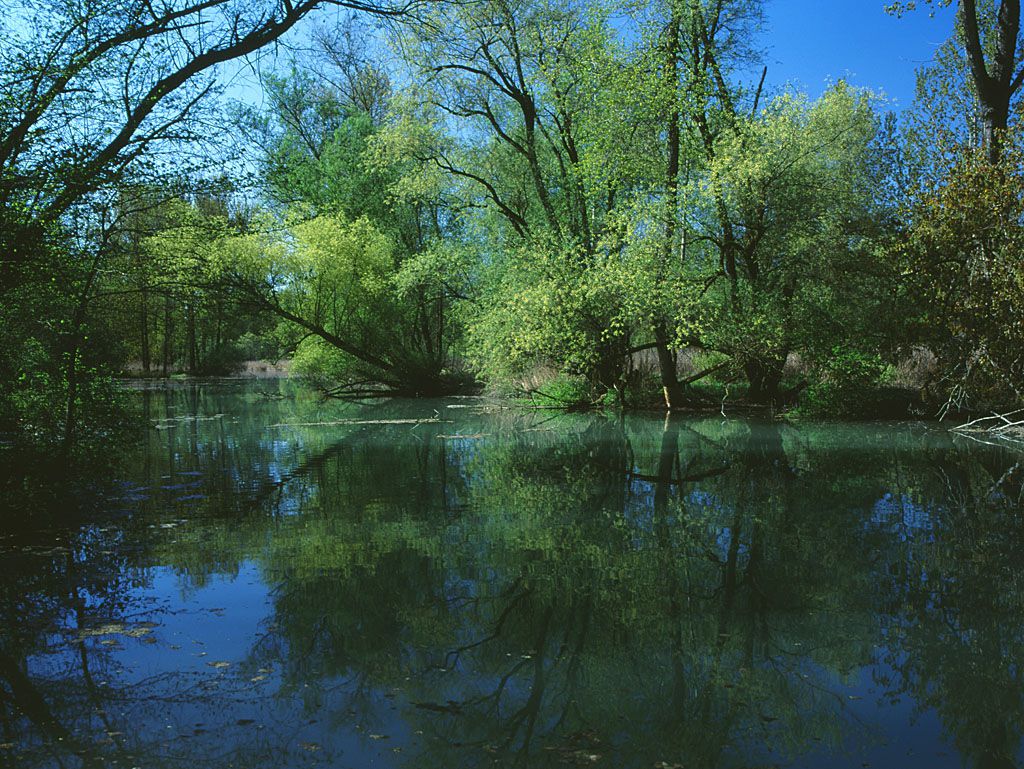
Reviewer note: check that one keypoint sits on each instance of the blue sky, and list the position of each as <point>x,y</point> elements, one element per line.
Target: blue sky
<point>814,42</point>
<point>806,43</point>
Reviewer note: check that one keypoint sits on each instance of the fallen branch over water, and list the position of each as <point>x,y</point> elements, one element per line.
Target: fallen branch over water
<point>172,422</point>
<point>1006,425</point>
<point>431,421</point>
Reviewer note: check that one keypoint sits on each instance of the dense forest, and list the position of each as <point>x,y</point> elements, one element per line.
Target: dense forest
<point>590,203</point>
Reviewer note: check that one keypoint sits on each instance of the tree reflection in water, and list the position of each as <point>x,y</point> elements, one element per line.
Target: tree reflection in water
<point>522,590</point>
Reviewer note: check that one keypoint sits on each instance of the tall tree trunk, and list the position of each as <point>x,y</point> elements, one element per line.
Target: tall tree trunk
<point>667,361</point>
<point>190,333</point>
<point>71,372</point>
<point>996,81</point>
<point>144,329</point>
<point>764,377</point>
<point>168,334</point>
<point>670,386</point>
<point>994,120</point>
<point>529,111</point>
<point>71,404</point>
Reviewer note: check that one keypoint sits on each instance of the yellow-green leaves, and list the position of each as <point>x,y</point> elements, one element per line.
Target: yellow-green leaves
<point>961,258</point>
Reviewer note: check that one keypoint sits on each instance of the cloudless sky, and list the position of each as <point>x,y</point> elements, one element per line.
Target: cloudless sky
<point>812,43</point>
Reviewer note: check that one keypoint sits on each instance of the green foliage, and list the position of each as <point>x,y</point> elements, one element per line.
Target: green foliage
<point>34,404</point>
<point>359,267</point>
<point>961,254</point>
<point>56,360</point>
<point>367,321</point>
<point>543,194</point>
<point>105,109</point>
<point>846,385</point>
<point>316,148</point>
<point>546,306</point>
<point>802,179</point>
<point>568,393</point>
<point>944,117</point>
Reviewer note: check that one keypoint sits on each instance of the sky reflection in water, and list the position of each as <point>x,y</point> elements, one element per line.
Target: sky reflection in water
<point>271,581</point>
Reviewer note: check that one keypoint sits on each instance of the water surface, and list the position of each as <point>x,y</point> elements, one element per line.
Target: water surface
<point>272,581</point>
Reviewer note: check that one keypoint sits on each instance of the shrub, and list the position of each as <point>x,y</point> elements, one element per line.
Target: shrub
<point>846,384</point>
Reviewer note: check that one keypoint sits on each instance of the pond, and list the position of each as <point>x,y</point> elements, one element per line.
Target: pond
<point>269,580</point>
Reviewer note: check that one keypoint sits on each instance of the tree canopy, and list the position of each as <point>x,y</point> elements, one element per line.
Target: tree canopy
<point>509,194</point>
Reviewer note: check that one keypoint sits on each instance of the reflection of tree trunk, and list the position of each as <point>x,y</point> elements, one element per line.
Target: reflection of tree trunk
<point>79,608</point>
<point>193,426</point>
<point>531,710</point>
<point>757,603</point>
<point>731,569</point>
<point>611,456</point>
<point>575,662</point>
<point>770,467</point>
<point>955,478</point>
<point>715,727</point>
<point>30,702</point>
<point>713,733</point>
<point>6,719</point>
<point>662,496</point>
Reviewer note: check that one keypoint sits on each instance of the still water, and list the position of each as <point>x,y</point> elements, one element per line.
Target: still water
<point>272,581</point>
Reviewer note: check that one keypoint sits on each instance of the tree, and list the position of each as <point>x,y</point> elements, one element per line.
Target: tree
<point>673,149</point>
<point>961,254</point>
<point>369,323</point>
<point>326,170</point>
<point>91,95</point>
<point>797,186</point>
<point>59,64</point>
<point>507,111</point>
<point>959,244</point>
<point>991,40</point>
<point>162,277</point>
